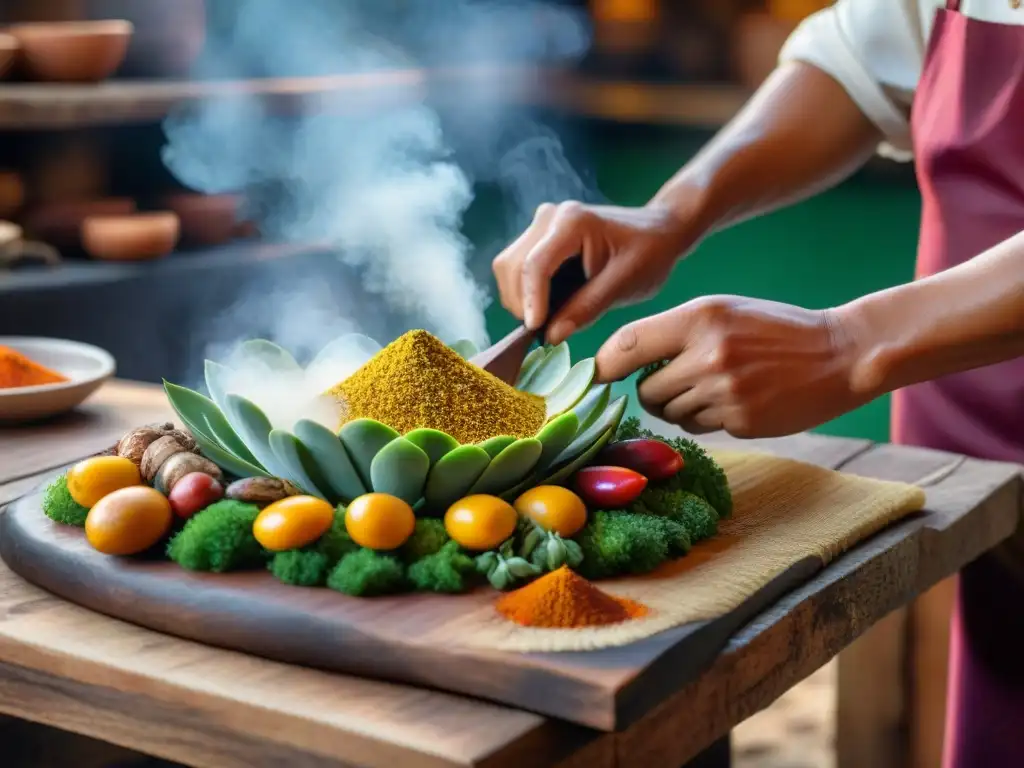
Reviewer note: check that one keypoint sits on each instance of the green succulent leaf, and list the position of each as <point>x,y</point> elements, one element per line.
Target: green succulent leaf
<point>331,459</point>
<point>253,427</point>
<point>465,348</point>
<point>223,458</point>
<point>550,371</point>
<point>216,382</point>
<point>206,422</point>
<point>433,442</point>
<point>454,474</point>
<point>340,359</point>
<point>228,440</point>
<point>555,437</point>
<point>609,418</point>
<point>582,460</point>
<point>572,388</point>
<point>509,467</point>
<point>497,444</point>
<point>592,405</point>
<point>273,356</point>
<point>529,367</point>
<point>363,439</point>
<point>300,469</point>
<point>400,468</point>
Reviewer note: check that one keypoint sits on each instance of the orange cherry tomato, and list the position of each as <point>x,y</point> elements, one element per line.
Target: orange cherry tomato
<point>379,521</point>
<point>128,521</point>
<point>92,479</point>
<point>480,522</point>
<point>553,508</point>
<point>292,523</point>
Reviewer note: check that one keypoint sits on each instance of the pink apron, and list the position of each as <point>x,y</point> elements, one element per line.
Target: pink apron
<point>967,122</point>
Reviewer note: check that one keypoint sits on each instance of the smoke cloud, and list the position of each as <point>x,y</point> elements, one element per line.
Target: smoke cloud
<point>382,184</point>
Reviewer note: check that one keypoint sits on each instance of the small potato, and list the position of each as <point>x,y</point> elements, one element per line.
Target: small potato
<point>193,492</point>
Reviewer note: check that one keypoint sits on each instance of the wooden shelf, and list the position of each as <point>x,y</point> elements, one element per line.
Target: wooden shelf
<point>32,106</point>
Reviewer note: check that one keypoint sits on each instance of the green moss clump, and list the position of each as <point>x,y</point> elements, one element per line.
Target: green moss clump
<point>428,537</point>
<point>218,538</point>
<point>615,543</point>
<point>60,507</point>
<point>692,512</point>
<point>447,570</point>
<point>367,573</point>
<point>309,566</point>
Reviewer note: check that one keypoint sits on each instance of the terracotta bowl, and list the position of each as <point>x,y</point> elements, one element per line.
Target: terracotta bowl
<point>72,51</point>
<point>60,224</point>
<point>12,193</point>
<point>9,48</point>
<point>205,219</point>
<point>137,237</point>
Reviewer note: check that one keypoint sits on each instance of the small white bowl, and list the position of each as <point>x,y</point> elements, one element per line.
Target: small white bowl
<point>85,366</point>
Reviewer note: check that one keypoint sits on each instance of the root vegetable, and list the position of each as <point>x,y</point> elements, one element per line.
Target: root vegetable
<point>180,464</point>
<point>261,490</point>
<point>134,444</point>
<point>159,451</point>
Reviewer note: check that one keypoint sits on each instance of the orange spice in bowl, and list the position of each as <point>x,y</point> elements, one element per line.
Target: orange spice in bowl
<point>72,51</point>
<point>136,237</point>
<point>17,370</point>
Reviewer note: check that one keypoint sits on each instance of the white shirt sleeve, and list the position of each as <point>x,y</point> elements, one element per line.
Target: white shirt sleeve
<point>875,50</point>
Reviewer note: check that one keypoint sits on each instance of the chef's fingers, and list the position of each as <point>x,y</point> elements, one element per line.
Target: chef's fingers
<point>638,344</point>
<point>563,240</point>
<point>508,265</point>
<point>597,296</point>
<point>669,382</point>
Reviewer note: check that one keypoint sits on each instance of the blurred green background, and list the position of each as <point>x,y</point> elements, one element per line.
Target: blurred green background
<point>857,238</point>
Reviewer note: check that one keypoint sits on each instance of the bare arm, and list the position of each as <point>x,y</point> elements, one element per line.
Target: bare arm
<point>966,317</point>
<point>798,135</point>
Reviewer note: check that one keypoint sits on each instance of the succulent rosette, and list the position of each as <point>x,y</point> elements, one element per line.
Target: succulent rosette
<point>267,416</point>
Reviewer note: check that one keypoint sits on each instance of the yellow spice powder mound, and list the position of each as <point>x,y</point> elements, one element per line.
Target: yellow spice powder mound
<point>418,381</point>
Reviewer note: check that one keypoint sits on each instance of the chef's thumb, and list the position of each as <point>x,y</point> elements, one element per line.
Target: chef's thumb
<point>637,344</point>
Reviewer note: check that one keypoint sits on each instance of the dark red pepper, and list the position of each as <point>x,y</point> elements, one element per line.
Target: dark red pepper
<point>609,487</point>
<point>653,459</point>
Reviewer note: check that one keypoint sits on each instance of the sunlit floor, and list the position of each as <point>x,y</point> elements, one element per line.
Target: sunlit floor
<point>797,731</point>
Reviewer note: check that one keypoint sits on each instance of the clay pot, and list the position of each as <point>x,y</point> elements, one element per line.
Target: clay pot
<point>60,224</point>
<point>72,51</point>
<point>169,34</point>
<point>60,168</point>
<point>9,49</point>
<point>206,220</point>
<point>12,193</point>
<point>136,237</point>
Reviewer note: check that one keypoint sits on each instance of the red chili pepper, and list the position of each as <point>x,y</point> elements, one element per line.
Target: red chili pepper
<point>609,487</point>
<point>653,459</point>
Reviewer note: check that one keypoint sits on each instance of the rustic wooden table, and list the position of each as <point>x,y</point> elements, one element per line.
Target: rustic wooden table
<point>79,671</point>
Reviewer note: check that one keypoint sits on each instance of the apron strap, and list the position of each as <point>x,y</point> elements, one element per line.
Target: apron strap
<point>953,5</point>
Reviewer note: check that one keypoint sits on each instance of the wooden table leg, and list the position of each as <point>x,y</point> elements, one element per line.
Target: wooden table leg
<point>718,755</point>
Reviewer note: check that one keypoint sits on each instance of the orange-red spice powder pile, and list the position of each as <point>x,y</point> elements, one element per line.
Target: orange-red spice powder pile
<point>16,370</point>
<point>564,599</point>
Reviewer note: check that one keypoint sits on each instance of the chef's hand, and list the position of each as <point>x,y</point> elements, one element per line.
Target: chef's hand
<point>751,367</point>
<point>627,253</point>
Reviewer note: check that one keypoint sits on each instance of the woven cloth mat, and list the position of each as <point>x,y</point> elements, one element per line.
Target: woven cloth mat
<point>785,511</point>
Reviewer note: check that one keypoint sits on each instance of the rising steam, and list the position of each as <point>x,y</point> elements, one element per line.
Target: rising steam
<point>380,184</point>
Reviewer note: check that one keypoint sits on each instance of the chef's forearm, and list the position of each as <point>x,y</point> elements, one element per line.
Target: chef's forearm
<point>799,134</point>
<point>966,317</point>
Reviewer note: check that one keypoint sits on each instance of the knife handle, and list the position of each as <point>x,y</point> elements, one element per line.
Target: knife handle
<point>566,281</point>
